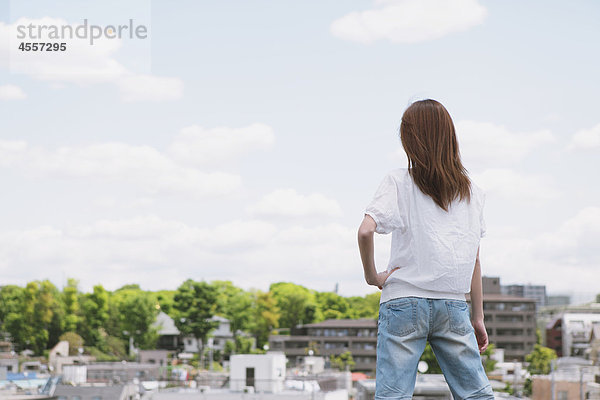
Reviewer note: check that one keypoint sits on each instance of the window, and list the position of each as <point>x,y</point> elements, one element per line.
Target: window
<point>509,318</point>
<point>336,345</point>
<point>509,332</point>
<point>563,395</point>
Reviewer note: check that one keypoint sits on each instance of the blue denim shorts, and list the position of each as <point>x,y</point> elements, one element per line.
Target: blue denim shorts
<point>405,325</point>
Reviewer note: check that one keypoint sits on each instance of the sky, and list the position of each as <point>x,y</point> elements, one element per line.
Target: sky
<point>242,140</point>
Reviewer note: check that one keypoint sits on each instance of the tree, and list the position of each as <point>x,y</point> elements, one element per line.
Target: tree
<point>165,300</point>
<point>34,316</point>
<point>136,312</point>
<point>12,300</point>
<point>265,318</point>
<point>235,304</point>
<point>75,342</point>
<point>94,310</point>
<point>70,302</point>
<point>343,361</point>
<point>296,303</point>
<point>488,362</point>
<point>196,303</point>
<point>332,305</point>
<point>364,307</point>
<point>540,360</point>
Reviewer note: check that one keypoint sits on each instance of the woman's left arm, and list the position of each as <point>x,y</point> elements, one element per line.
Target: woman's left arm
<point>367,253</point>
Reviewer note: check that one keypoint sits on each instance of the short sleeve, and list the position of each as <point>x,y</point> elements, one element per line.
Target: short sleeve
<point>385,207</point>
<point>481,219</point>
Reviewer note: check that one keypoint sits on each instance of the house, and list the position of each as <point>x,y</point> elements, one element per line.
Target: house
<point>217,338</point>
<point>168,334</point>
<point>170,338</point>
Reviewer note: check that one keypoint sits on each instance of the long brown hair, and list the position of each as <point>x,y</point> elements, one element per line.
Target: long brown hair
<point>429,139</point>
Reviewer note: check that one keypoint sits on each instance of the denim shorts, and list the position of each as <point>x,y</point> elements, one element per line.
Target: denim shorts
<point>405,325</point>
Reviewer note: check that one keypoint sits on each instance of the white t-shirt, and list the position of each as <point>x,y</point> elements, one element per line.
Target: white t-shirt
<point>435,250</point>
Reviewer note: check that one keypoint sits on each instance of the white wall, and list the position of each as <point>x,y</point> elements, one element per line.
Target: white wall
<point>573,323</point>
<point>269,371</point>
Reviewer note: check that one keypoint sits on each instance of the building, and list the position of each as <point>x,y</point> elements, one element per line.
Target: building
<point>558,300</point>
<point>169,337</point>
<point>59,357</point>
<point>264,373</point>
<point>331,337</point>
<point>121,372</point>
<point>112,392</point>
<point>159,357</point>
<point>509,320</point>
<point>549,320</point>
<point>217,338</point>
<point>168,334</point>
<point>573,379</point>
<point>536,292</point>
<point>570,334</point>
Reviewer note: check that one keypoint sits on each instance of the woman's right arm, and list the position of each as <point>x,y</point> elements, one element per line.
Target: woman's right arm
<point>366,246</point>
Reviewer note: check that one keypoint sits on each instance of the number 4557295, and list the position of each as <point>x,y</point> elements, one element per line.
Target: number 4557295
<point>26,46</point>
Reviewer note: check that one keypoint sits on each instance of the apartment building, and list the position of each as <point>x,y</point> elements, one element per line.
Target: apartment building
<point>331,337</point>
<point>536,292</point>
<point>509,320</point>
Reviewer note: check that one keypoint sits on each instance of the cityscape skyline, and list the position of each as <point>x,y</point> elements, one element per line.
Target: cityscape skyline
<point>244,143</point>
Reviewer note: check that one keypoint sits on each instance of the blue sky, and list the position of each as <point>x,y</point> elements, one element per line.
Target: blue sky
<point>243,139</point>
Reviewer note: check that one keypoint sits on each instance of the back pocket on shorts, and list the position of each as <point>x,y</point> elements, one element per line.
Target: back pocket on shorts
<point>402,317</point>
<point>458,314</point>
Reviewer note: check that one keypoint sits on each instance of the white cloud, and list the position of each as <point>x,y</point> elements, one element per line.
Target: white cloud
<point>143,166</point>
<point>409,21</point>
<point>149,88</point>
<point>161,253</point>
<point>139,165</point>
<point>196,145</point>
<point>575,241</point>
<point>82,64</point>
<point>586,139</point>
<point>484,144</point>
<point>510,184</point>
<point>289,203</point>
<point>564,259</point>
<point>11,92</point>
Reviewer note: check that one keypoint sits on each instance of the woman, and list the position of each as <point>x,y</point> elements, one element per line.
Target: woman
<point>435,215</point>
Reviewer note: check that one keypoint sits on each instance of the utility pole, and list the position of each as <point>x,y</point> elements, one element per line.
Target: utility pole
<point>553,386</point>
<point>581,391</point>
